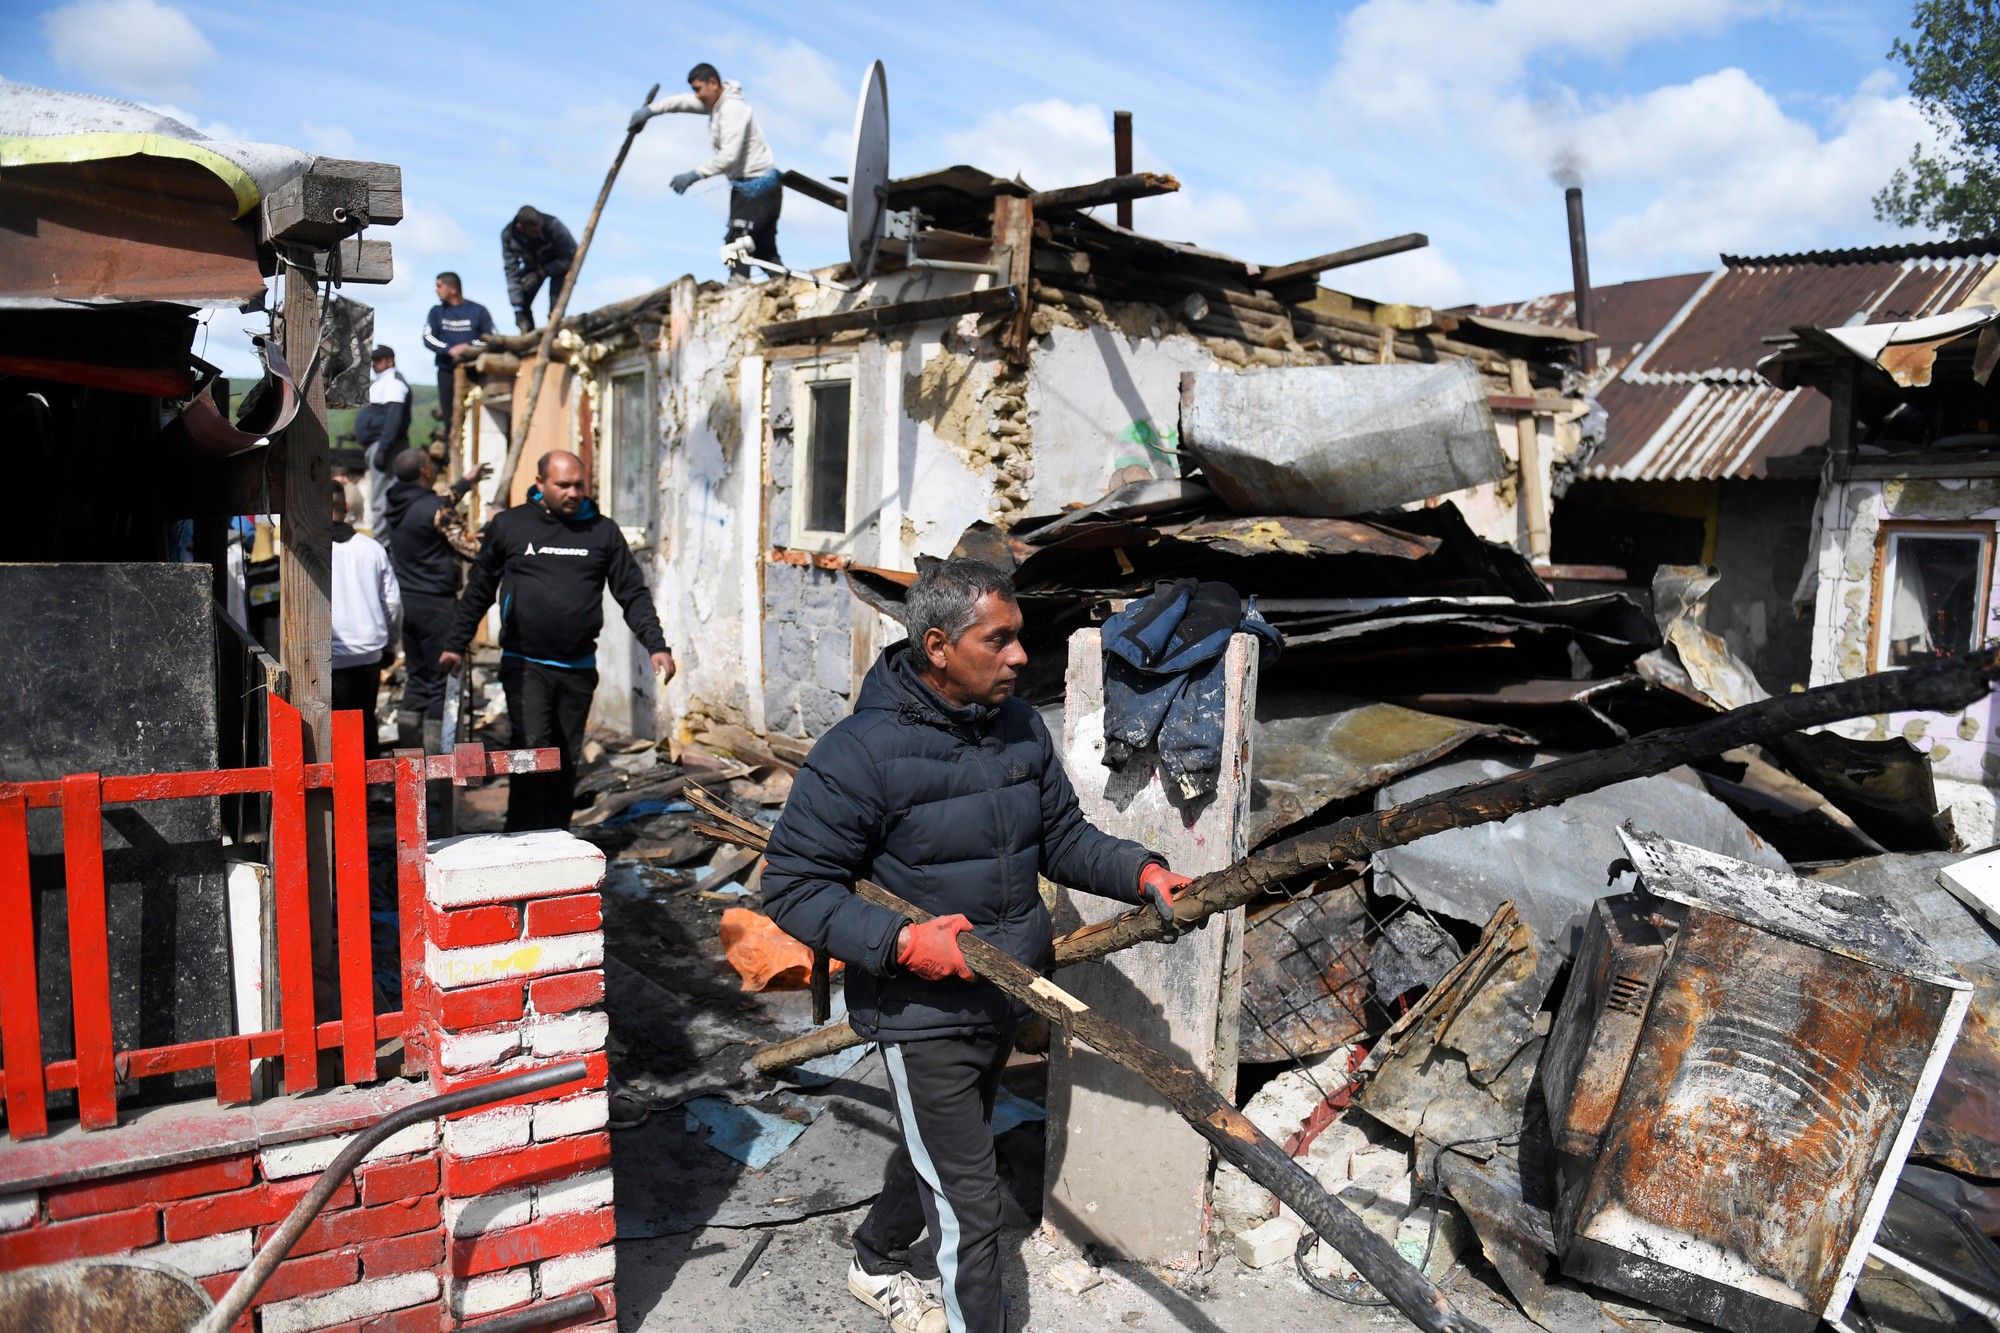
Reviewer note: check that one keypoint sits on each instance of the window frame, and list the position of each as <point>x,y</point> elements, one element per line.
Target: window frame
<point>805,375</point>
<point>637,536</point>
<point>1885,541</point>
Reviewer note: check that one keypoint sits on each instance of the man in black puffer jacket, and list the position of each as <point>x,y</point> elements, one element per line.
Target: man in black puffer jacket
<point>428,571</point>
<point>549,561</point>
<point>946,790</point>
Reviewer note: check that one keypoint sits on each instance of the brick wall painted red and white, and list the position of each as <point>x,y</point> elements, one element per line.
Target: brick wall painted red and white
<point>492,1211</point>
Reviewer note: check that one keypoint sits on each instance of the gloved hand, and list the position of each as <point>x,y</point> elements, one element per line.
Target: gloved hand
<point>639,119</point>
<point>524,321</point>
<point>685,179</point>
<point>931,951</point>
<point>1157,885</point>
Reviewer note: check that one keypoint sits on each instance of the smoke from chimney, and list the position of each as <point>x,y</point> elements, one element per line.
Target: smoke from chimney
<point>1566,168</point>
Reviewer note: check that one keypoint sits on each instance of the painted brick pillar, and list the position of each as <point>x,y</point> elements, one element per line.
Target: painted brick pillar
<point>514,956</point>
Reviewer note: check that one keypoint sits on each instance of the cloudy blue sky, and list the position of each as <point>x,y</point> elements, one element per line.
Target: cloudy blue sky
<point>1699,126</point>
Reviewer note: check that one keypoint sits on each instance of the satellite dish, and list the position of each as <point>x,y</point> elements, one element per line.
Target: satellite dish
<point>868,174</point>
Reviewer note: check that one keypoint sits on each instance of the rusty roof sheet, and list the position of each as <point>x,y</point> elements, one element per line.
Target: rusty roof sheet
<point>1679,355</point>
<point>1703,431</point>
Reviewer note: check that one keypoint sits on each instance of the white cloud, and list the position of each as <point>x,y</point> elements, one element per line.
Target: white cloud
<point>140,47</point>
<point>328,140</point>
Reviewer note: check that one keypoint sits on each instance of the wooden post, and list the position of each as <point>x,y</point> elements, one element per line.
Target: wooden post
<point>1125,1171</point>
<point>1534,489</point>
<point>1121,159</point>
<point>1014,228</point>
<point>305,608</point>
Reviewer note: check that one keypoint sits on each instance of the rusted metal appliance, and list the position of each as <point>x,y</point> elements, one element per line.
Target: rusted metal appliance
<point>1734,1081</point>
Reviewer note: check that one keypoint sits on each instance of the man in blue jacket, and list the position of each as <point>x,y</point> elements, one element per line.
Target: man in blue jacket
<point>454,323</point>
<point>550,561</point>
<point>947,791</point>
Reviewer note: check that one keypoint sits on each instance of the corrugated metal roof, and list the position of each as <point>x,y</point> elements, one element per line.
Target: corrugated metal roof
<point>1683,398</point>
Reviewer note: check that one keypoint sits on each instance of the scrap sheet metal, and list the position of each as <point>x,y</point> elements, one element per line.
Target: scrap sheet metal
<point>1794,1031</point>
<point>1332,441</point>
<point>1550,863</point>
<point>1961,1129</point>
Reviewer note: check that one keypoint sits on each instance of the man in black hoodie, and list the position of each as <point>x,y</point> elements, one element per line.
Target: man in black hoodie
<point>946,790</point>
<point>427,569</point>
<point>550,560</point>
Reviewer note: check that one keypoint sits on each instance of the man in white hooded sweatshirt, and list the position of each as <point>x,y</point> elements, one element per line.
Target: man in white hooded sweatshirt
<point>741,155</point>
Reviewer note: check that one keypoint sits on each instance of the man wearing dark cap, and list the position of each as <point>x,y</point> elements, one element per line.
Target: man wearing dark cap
<point>382,428</point>
<point>535,247</point>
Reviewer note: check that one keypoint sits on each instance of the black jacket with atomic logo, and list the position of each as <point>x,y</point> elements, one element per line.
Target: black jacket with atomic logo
<point>550,574</point>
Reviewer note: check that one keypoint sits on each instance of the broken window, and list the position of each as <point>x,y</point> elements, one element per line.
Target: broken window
<point>824,479</point>
<point>632,452</point>
<point>1932,594</point>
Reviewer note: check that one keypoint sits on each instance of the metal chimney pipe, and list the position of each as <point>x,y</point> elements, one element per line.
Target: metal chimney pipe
<point>1579,267</point>
<point>1121,159</point>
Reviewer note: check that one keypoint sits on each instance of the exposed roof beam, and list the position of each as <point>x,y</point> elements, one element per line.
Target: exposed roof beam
<point>1111,190</point>
<point>816,190</point>
<point>1395,245</point>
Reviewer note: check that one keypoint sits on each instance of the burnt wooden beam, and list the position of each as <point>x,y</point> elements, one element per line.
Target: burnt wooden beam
<point>384,181</point>
<point>315,210</point>
<point>886,316</point>
<point>1359,254</point>
<point>361,261</point>
<point>1110,190</point>
<point>818,191</point>
<point>1211,1114</point>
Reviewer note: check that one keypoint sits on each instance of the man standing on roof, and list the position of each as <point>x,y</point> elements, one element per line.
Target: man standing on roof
<point>946,790</point>
<point>549,561</point>
<point>450,330</point>
<point>535,247</point>
<point>755,197</point>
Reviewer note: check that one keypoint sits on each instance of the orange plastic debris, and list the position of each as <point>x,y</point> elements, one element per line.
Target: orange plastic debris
<point>764,956</point>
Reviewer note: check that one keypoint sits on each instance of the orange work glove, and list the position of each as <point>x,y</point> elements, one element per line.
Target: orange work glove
<point>1157,885</point>
<point>931,951</point>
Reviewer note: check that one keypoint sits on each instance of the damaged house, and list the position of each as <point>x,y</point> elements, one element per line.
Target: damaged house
<point>757,440</point>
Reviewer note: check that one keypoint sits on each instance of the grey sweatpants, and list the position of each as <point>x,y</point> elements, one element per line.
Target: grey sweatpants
<point>942,1176</point>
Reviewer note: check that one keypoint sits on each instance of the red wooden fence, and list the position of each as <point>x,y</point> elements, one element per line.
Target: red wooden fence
<point>98,1067</point>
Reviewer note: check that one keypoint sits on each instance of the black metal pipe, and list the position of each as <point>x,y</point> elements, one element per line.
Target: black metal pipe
<point>1121,159</point>
<point>1579,268</point>
<point>536,1316</point>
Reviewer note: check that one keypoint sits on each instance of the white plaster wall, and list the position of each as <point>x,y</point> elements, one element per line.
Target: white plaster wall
<point>936,495</point>
<point>1092,394</point>
<point>1964,747</point>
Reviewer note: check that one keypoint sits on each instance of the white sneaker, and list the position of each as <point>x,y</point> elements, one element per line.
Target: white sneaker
<point>910,1308</point>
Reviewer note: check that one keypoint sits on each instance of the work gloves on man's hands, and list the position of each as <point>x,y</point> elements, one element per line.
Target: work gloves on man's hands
<point>685,179</point>
<point>639,119</point>
<point>930,950</point>
<point>1157,886</point>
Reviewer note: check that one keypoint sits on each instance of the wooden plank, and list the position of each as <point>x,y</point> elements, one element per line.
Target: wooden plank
<point>232,1071</point>
<point>412,843</point>
<point>817,191</point>
<point>383,179</point>
<point>1110,190</point>
<point>350,845</point>
<point>1014,227</point>
<point>293,905</point>
<point>315,209</point>
<point>888,316</point>
<point>20,1000</point>
<point>89,951</point>
<point>1395,245</point>
<point>1121,159</point>
<point>369,263</point>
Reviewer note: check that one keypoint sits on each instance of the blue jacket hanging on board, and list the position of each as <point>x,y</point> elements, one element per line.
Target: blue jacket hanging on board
<point>1163,677</point>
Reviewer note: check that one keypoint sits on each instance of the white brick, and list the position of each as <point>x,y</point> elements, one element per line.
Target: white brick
<point>1268,1242</point>
<point>571,1115</point>
<point>302,1314</point>
<point>491,1293</point>
<point>450,969</point>
<point>579,1194</point>
<point>569,1034</point>
<point>298,1159</point>
<point>226,1253</point>
<point>460,1051</point>
<point>574,1272</point>
<point>489,1212</point>
<point>489,1131</point>
<point>508,867</point>
<point>19,1210</point>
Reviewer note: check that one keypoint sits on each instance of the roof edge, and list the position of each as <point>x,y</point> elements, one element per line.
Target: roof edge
<point>1874,254</point>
